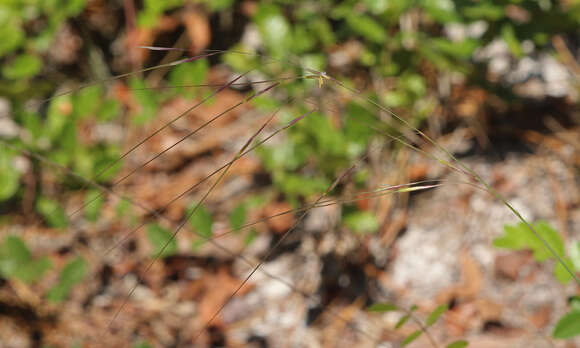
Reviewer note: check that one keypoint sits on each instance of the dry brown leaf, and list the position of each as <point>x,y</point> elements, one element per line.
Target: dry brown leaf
<point>282,223</point>
<point>198,29</point>
<point>509,265</point>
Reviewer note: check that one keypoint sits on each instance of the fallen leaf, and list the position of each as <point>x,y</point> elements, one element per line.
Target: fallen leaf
<point>198,29</point>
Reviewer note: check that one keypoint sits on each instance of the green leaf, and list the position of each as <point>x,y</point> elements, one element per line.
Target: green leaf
<point>367,28</point>
<point>73,273</point>
<point>109,110</point>
<point>509,35</point>
<point>12,37</point>
<point>402,321</point>
<point>361,222</point>
<point>146,100</point>
<point>16,261</point>
<point>159,238</point>
<point>219,5</point>
<point>52,212</point>
<point>441,10</point>
<point>457,344</point>
<point>575,255</point>
<point>575,303</point>
<point>382,307</point>
<point>192,73</point>
<point>568,326</point>
<point>142,345</point>
<point>13,254</point>
<point>94,201</point>
<point>484,10</point>
<point>250,237</point>
<point>33,270</point>
<point>238,216</point>
<point>411,337</point>
<point>436,314</point>
<point>88,100</point>
<point>274,29</point>
<point>458,50</point>
<point>202,222</point>
<point>22,67</point>
<point>518,237</point>
<point>560,272</point>
<point>551,236</point>
<point>9,177</point>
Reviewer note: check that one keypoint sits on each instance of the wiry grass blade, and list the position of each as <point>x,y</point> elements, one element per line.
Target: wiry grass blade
<point>189,215</point>
<point>182,139</point>
<point>207,177</point>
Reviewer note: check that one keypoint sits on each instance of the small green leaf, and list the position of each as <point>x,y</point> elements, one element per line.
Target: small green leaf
<point>575,303</point>
<point>457,344</point>
<point>88,100</point>
<point>361,222</point>
<point>52,212</point>
<point>560,272</point>
<point>402,321</point>
<point>192,73</point>
<point>202,222</point>
<point>33,270</point>
<point>367,27</point>
<point>250,237</point>
<point>274,29</point>
<point>411,337</point>
<point>145,99</point>
<point>93,204</point>
<point>9,177</point>
<point>13,254</point>
<point>73,273</point>
<point>161,239</point>
<point>575,255</point>
<point>382,307</point>
<point>238,217</point>
<point>142,345</point>
<point>436,314</point>
<point>12,37</point>
<point>509,35</point>
<point>568,326</point>
<point>22,67</point>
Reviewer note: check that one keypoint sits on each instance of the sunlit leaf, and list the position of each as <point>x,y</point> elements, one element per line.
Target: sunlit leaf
<point>52,212</point>
<point>238,216</point>
<point>413,336</point>
<point>437,312</point>
<point>457,344</point>
<point>73,273</point>
<point>162,240</point>
<point>382,307</point>
<point>568,326</point>
<point>402,321</point>
<point>22,67</point>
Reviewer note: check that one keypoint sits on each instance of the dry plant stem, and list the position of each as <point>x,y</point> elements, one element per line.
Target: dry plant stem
<point>110,165</point>
<point>289,78</point>
<point>464,168</point>
<point>269,253</point>
<point>118,77</point>
<point>188,216</point>
<point>207,177</point>
<point>281,280</point>
<point>364,195</point>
